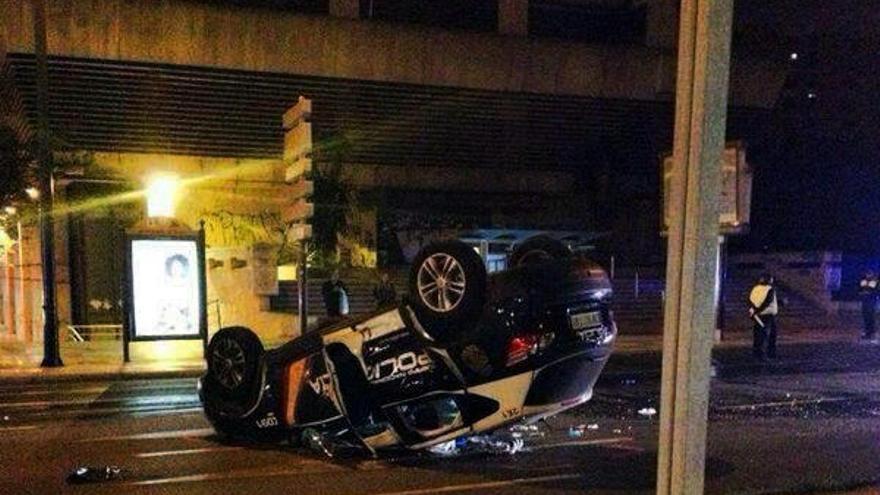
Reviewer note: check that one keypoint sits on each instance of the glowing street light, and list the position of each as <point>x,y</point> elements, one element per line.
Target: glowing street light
<point>10,210</point>
<point>33,193</point>
<point>161,192</point>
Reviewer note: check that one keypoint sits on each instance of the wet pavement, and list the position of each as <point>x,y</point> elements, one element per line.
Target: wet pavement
<point>809,422</point>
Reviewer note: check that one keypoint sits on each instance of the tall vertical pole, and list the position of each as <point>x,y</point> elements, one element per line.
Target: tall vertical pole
<point>722,281</point>
<point>51,351</point>
<point>700,118</point>
<point>203,288</point>
<point>303,292</point>
<point>127,301</point>
<point>9,293</point>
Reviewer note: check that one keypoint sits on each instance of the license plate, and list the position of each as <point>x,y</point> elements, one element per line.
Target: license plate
<point>586,320</point>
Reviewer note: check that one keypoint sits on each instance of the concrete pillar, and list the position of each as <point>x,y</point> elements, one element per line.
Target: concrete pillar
<point>9,291</point>
<point>513,17</point>
<point>662,23</point>
<point>350,9</point>
<point>26,278</point>
<point>700,119</point>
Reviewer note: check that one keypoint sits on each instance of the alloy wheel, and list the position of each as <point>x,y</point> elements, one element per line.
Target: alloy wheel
<point>228,362</point>
<point>441,282</point>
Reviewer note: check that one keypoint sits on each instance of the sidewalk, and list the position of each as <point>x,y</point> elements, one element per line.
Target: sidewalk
<point>86,372</point>
<point>20,363</point>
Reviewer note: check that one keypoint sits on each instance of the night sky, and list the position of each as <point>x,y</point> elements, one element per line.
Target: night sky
<point>817,175</point>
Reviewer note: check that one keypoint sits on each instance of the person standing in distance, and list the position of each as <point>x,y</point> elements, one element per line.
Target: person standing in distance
<point>868,296</point>
<point>763,308</point>
<point>335,296</point>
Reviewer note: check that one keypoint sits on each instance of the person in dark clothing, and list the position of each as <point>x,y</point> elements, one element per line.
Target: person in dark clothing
<point>335,296</point>
<point>384,292</point>
<point>868,295</point>
<point>763,308</point>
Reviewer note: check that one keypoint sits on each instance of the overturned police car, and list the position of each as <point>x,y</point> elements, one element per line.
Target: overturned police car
<point>464,354</point>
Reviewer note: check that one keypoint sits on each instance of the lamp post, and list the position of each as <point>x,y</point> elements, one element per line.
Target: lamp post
<point>51,351</point>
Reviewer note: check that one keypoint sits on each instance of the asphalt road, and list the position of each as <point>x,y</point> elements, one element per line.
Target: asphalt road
<point>803,424</point>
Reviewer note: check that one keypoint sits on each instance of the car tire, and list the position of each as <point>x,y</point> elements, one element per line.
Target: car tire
<point>538,249</point>
<point>233,382</point>
<point>447,289</point>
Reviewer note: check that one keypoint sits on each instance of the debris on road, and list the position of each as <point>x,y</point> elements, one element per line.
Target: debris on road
<point>445,449</point>
<point>492,444</point>
<point>317,442</point>
<point>579,430</point>
<point>479,444</point>
<point>93,474</point>
<point>576,431</point>
<point>524,428</point>
<point>647,411</point>
<point>526,431</point>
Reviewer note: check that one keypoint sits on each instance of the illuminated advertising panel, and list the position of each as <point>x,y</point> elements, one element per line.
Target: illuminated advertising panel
<point>166,298</point>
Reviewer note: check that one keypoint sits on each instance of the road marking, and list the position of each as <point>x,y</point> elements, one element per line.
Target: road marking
<point>136,401</point>
<point>157,435</point>
<point>18,428</point>
<point>239,474</point>
<point>167,412</point>
<point>99,389</point>
<point>185,452</point>
<point>76,391</point>
<point>91,413</point>
<point>485,485</point>
<point>579,443</point>
<point>793,402</point>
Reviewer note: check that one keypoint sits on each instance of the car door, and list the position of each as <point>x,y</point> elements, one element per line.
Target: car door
<point>386,374</point>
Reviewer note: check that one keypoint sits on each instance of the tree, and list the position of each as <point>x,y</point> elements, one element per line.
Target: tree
<point>16,169</point>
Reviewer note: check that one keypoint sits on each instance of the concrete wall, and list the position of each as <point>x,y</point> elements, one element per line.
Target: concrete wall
<point>22,266</point>
<point>237,197</point>
<point>190,33</point>
<point>239,303</point>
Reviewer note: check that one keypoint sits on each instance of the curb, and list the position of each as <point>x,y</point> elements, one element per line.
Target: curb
<point>40,376</point>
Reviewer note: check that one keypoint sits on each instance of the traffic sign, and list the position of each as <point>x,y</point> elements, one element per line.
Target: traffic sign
<point>301,112</point>
<point>295,170</point>
<point>734,213</point>
<point>297,151</point>
<point>301,188</point>
<point>300,211</point>
<point>298,142</point>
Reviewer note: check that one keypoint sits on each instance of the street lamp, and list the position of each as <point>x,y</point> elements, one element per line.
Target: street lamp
<point>161,192</point>
<point>33,193</point>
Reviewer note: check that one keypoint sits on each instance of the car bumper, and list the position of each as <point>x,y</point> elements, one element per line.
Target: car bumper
<point>568,380</point>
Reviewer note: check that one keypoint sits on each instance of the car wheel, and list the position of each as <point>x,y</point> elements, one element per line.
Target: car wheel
<point>234,371</point>
<point>538,249</point>
<point>447,288</point>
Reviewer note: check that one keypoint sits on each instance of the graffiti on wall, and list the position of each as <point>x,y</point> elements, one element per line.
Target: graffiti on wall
<point>224,228</point>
